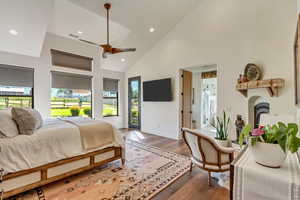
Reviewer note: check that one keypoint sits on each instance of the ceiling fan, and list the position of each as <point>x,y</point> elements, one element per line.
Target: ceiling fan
<point>107,48</point>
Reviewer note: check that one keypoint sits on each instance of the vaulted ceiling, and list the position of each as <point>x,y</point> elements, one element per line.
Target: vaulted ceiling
<point>130,24</point>
<point>24,25</point>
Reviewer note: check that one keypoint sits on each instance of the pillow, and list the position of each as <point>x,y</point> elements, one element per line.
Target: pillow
<point>8,127</point>
<point>28,120</point>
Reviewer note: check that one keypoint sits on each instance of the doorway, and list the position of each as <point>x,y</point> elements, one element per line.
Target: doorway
<point>208,101</point>
<point>134,102</point>
<point>199,98</point>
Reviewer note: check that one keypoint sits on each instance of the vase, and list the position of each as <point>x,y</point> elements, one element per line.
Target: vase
<point>268,155</point>
<point>223,143</point>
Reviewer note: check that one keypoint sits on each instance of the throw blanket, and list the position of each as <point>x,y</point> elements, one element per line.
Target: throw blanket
<point>94,133</point>
<point>255,182</point>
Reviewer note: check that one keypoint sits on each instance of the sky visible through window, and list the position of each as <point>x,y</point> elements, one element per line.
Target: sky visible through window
<point>13,90</point>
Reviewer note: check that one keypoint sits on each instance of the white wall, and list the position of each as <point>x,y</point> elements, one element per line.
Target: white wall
<point>118,121</point>
<point>43,68</point>
<point>230,34</point>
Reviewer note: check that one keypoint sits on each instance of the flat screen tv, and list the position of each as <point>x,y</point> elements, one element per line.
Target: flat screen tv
<point>157,90</point>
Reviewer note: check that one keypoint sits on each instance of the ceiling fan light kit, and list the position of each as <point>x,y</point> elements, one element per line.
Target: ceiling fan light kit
<point>107,48</point>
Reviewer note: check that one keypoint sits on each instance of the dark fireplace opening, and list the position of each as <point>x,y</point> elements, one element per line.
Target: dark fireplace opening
<point>260,109</point>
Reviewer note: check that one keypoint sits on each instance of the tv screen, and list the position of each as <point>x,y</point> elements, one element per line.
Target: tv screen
<point>157,90</point>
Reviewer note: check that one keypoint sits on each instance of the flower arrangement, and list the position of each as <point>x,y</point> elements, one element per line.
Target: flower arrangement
<point>285,135</point>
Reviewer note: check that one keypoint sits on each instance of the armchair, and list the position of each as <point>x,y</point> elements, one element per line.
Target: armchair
<point>206,153</point>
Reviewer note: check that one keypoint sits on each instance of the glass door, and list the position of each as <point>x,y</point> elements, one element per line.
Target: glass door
<point>134,102</point>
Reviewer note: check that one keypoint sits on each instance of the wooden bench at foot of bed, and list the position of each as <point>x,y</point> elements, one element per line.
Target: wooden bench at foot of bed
<point>25,180</point>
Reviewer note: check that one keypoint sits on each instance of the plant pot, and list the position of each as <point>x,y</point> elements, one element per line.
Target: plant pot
<point>268,155</point>
<point>223,143</point>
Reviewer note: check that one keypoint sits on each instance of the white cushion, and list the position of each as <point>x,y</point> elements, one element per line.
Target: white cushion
<point>8,127</point>
<point>28,120</point>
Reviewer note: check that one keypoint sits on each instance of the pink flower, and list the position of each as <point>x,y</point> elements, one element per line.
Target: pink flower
<point>261,127</point>
<point>258,132</point>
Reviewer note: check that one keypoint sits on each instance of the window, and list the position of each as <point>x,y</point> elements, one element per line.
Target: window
<point>110,97</point>
<point>71,95</point>
<point>16,87</point>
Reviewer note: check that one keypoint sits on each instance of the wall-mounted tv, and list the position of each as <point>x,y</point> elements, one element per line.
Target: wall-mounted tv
<point>157,90</point>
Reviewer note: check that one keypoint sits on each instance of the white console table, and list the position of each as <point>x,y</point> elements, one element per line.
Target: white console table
<point>251,181</point>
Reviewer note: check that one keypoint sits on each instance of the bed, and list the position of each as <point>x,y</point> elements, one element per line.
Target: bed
<point>60,148</point>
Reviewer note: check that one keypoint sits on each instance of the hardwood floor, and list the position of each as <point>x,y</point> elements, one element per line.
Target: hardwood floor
<point>191,186</point>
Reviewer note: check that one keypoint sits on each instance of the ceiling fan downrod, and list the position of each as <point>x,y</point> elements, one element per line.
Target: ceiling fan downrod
<point>107,6</point>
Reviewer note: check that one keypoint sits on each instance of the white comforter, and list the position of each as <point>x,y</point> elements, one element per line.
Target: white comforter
<point>56,140</point>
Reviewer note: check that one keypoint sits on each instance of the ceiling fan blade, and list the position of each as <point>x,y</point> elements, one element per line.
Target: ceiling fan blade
<point>120,50</point>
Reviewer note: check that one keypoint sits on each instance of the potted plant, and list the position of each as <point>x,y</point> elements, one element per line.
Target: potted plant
<point>88,111</point>
<point>75,111</point>
<point>270,144</point>
<point>221,127</point>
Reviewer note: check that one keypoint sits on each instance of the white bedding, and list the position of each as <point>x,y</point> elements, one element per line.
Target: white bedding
<point>56,140</point>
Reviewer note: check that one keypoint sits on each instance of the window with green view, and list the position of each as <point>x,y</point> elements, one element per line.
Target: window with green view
<point>110,98</point>
<point>70,102</point>
<point>71,95</point>
<point>12,96</point>
<point>16,86</point>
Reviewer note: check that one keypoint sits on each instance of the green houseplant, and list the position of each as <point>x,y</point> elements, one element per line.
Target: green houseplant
<point>75,111</point>
<point>270,144</point>
<point>88,111</point>
<point>221,126</point>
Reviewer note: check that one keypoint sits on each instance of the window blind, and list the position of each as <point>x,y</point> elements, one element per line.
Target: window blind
<point>71,81</point>
<point>16,76</point>
<point>110,84</point>
<point>64,59</point>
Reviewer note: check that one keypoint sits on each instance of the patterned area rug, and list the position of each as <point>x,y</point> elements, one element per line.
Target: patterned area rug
<point>148,170</point>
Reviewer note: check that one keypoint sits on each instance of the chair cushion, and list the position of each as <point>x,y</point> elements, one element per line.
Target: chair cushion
<point>224,167</point>
<point>28,120</point>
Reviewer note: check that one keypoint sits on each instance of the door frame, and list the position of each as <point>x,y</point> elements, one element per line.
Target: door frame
<point>212,66</point>
<point>138,78</point>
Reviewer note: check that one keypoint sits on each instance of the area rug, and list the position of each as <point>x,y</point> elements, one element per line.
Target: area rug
<point>148,170</point>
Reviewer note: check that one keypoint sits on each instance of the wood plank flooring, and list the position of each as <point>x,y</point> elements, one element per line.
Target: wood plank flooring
<point>191,186</point>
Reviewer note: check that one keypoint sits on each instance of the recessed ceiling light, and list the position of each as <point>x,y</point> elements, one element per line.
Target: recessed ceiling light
<point>123,60</point>
<point>152,30</point>
<point>13,32</point>
<point>79,32</point>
